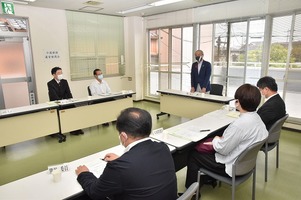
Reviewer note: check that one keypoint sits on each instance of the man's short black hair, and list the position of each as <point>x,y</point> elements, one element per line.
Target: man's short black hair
<point>135,122</point>
<point>268,82</point>
<point>96,70</point>
<point>249,97</point>
<point>55,69</point>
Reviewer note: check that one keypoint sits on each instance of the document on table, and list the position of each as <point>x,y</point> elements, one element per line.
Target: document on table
<point>96,166</point>
<point>234,114</point>
<point>192,133</point>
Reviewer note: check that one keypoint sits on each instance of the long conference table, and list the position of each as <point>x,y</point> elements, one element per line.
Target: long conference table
<point>189,105</point>
<point>34,121</point>
<point>179,139</point>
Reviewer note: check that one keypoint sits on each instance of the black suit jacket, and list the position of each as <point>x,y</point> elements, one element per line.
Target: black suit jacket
<point>203,78</point>
<point>272,110</point>
<point>146,172</point>
<point>58,91</point>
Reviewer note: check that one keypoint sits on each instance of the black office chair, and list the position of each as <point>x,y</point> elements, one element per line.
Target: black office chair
<point>272,142</point>
<point>242,169</point>
<point>89,91</point>
<point>217,89</point>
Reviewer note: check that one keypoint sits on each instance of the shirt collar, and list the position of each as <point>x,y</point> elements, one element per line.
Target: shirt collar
<point>200,63</point>
<point>270,96</point>
<point>135,143</point>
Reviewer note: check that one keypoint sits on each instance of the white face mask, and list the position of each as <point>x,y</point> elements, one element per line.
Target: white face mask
<point>100,77</point>
<point>60,77</point>
<point>120,141</point>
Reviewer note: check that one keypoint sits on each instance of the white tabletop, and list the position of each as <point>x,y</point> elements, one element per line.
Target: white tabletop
<point>93,98</point>
<point>197,95</point>
<point>54,104</point>
<point>26,109</point>
<point>196,129</point>
<point>41,185</point>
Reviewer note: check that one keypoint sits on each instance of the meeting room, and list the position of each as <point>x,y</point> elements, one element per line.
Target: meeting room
<point>152,99</point>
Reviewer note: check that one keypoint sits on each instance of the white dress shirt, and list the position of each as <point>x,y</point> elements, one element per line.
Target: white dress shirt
<point>240,134</point>
<point>135,143</point>
<point>98,88</point>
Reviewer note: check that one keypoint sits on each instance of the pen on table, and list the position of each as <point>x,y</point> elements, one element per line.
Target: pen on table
<point>204,130</point>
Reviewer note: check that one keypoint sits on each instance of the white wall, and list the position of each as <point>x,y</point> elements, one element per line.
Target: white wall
<point>48,28</point>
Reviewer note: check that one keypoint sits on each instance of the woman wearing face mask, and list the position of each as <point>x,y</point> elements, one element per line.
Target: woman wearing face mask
<point>239,135</point>
<point>99,86</point>
<point>200,74</point>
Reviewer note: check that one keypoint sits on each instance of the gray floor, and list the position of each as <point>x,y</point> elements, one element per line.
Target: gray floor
<point>26,158</point>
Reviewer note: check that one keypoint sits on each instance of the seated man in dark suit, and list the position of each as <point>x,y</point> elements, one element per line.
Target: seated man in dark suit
<point>274,107</point>
<point>58,89</point>
<point>145,171</point>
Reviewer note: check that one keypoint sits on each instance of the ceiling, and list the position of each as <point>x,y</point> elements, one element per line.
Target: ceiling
<point>112,7</point>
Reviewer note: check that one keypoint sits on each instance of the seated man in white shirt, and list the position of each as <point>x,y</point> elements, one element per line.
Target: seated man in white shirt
<point>99,86</point>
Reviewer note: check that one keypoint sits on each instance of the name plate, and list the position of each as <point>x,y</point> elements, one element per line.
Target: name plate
<point>157,131</point>
<point>63,167</point>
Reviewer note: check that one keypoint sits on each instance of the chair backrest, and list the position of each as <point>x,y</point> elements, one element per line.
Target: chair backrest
<point>189,192</point>
<point>216,89</point>
<point>246,161</point>
<point>275,130</point>
<point>89,91</point>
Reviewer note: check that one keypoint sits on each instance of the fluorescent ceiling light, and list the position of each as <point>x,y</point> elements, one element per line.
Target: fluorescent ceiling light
<point>157,3</point>
<point>135,9</point>
<point>164,2</point>
<point>21,2</point>
<point>24,2</point>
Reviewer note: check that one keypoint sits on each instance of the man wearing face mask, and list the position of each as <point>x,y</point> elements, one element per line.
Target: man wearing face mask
<point>99,86</point>
<point>200,74</point>
<point>145,171</point>
<point>58,89</point>
<point>274,106</point>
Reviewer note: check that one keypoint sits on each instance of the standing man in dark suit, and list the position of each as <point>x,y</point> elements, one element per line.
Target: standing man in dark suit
<point>58,89</point>
<point>144,172</point>
<point>274,107</point>
<point>200,74</point>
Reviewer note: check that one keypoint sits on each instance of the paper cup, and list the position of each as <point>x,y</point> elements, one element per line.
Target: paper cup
<point>57,175</point>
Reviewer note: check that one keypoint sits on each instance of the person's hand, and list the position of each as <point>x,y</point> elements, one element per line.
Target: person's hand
<point>203,90</point>
<point>110,157</point>
<point>208,143</point>
<point>217,137</point>
<point>80,169</point>
<point>192,90</point>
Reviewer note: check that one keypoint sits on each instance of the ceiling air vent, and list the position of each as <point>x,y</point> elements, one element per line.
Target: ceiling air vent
<point>90,9</point>
<point>93,3</point>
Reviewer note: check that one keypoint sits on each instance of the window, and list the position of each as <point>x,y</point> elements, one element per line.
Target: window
<point>237,53</point>
<point>95,41</point>
<point>170,54</point>
<point>285,60</point>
